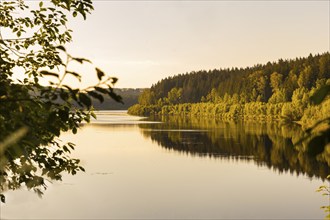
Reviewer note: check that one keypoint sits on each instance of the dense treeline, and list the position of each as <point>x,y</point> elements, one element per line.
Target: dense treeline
<point>258,83</point>
<point>272,91</point>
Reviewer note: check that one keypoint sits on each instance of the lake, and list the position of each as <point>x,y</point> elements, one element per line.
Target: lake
<point>180,168</point>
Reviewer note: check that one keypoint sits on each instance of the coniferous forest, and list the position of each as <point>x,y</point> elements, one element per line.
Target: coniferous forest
<point>276,90</point>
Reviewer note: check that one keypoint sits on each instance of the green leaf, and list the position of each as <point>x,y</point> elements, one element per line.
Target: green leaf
<point>93,115</point>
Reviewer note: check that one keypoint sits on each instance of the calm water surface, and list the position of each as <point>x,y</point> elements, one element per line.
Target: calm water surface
<point>180,168</point>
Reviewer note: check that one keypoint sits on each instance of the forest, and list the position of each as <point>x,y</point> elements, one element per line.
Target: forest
<point>274,91</point>
<point>129,97</point>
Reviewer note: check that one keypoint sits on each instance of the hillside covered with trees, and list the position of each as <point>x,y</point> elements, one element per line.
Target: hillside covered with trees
<point>277,90</point>
<point>129,97</point>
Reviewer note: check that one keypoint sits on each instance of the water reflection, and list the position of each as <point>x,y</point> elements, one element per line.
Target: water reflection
<point>268,144</point>
<point>33,163</point>
<point>129,176</point>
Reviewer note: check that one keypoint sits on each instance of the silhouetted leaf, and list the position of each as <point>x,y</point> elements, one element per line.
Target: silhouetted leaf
<point>66,149</point>
<point>39,192</point>
<point>2,198</point>
<point>114,80</point>
<point>77,75</point>
<point>61,48</point>
<point>81,60</point>
<point>101,90</point>
<point>74,93</point>
<point>64,115</point>
<point>54,130</point>
<point>68,87</point>
<point>83,14</point>
<point>64,95</point>
<point>85,99</point>
<point>100,73</point>
<point>74,130</point>
<point>115,97</point>
<point>71,145</point>
<point>47,73</point>
<point>96,95</point>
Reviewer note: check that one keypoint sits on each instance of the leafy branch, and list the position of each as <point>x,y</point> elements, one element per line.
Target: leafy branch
<point>29,157</point>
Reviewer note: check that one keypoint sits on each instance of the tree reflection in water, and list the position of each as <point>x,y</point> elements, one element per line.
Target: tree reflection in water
<point>269,144</point>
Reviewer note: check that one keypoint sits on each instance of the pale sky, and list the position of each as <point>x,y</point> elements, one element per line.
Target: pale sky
<point>141,42</point>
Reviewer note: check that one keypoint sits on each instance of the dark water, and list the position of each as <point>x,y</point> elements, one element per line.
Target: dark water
<point>181,167</point>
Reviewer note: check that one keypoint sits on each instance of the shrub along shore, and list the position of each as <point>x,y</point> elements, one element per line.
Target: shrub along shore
<point>305,115</point>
